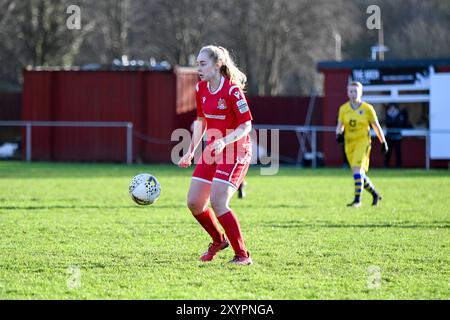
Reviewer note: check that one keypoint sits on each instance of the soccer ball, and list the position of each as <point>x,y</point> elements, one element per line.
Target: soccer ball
<point>144,189</point>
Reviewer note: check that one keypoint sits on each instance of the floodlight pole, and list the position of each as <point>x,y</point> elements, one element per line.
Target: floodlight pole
<point>337,46</point>
<point>381,40</point>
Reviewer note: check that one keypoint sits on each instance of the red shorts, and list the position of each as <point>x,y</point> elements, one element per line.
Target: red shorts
<point>231,174</point>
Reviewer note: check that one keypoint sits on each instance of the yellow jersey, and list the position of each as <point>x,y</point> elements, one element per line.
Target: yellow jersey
<point>357,121</point>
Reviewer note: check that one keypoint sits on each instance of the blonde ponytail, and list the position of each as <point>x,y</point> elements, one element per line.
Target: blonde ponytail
<point>228,68</point>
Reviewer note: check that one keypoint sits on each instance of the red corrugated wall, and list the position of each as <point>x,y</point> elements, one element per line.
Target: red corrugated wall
<point>286,111</point>
<point>149,99</point>
<point>156,103</point>
<point>37,105</point>
<point>158,118</point>
<point>335,85</point>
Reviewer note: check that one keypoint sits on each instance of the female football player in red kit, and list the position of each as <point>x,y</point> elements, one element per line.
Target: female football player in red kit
<point>224,115</point>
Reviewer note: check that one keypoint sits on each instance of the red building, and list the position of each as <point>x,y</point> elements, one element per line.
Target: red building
<point>405,82</point>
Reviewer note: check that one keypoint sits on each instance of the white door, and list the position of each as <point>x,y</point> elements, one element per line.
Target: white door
<point>440,116</point>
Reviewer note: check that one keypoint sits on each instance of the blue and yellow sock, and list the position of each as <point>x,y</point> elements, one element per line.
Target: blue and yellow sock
<point>369,186</point>
<point>358,187</point>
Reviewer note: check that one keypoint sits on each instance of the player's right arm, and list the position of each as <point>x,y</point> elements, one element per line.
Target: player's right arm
<point>340,128</point>
<point>198,132</point>
<point>373,120</point>
<point>197,137</point>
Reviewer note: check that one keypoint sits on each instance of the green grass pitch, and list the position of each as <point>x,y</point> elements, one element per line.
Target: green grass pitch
<point>70,231</point>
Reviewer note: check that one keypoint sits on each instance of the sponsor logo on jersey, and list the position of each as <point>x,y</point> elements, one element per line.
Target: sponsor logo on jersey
<point>203,99</point>
<point>216,116</point>
<point>223,172</point>
<point>237,95</point>
<point>221,104</point>
<point>242,106</point>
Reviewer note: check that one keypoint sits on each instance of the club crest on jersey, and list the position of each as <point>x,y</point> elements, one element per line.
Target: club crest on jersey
<point>203,99</point>
<point>221,104</point>
<point>361,112</point>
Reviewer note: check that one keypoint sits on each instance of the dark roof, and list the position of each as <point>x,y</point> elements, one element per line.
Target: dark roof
<point>353,64</point>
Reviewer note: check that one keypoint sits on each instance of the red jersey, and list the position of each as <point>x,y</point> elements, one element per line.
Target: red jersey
<point>224,110</point>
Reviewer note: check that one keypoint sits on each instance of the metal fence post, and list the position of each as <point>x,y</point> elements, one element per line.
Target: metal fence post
<point>28,147</point>
<point>300,150</point>
<point>314,147</point>
<point>427,150</point>
<point>129,143</point>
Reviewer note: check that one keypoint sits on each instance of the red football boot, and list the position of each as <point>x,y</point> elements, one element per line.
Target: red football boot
<point>213,249</point>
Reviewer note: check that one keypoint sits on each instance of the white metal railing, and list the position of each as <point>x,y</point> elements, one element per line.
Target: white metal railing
<point>313,130</point>
<point>299,130</point>
<point>82,124</point>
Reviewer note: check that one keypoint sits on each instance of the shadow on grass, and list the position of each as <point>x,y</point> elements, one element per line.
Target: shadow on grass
<point>292,171</point>
<point>91,207</point>
<point>427,225</point>
<point>275,206</point>
<point>19,169</point>
<point>50,170</point>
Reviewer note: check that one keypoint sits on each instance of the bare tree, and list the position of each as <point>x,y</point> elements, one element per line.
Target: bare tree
<point>6,8</point>
<point>114,20</point>
<point>281,40</point>
<point>44,35</point>
<point>277,42</point>
<point>183,27</point>
<point>412,29</point>
<point>34,33</point>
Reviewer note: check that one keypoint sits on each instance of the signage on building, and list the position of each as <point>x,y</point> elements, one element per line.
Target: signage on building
<point>386,76</point>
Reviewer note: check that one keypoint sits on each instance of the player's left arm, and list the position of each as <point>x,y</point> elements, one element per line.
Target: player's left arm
<point>241,131</point>
<point>379,131</point>
<point>375,124</point>
<point>380,134</point>
<point>238,102</point>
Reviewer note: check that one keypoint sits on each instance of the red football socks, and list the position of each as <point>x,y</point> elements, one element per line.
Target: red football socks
<point>209,223</point>
<point>232,229</point>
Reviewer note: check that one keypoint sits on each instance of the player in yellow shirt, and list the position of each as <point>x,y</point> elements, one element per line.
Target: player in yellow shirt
<point>354,122</point>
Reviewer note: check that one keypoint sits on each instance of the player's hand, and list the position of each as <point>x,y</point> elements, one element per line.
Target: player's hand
<point>384,148</point>
<point>217,146</point>
<point>340,138</point>
<point>186,160</point>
